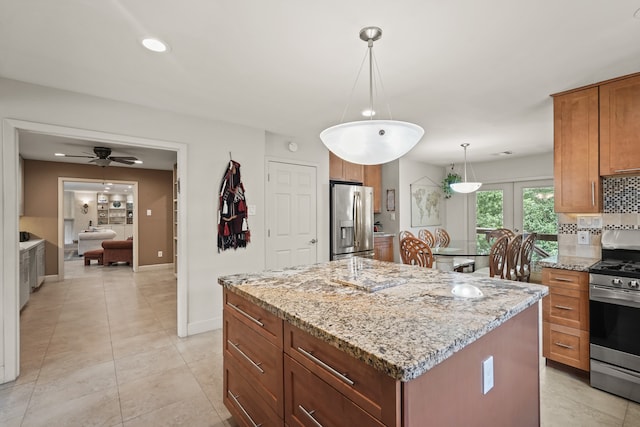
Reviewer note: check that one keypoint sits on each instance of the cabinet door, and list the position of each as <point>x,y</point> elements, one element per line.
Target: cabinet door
<point>576,167</point>
<point>383,248</point>
<point>373,178</point>
<point>352,172</point>
<point>620,127</point>
<point>335,167</point>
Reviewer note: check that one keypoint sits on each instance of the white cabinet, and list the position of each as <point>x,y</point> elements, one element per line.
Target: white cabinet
<point>31,268</point>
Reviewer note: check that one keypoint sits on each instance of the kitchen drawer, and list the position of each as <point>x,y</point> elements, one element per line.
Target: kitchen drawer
<point>567,307</point>
<point>566,345</point>
<point>257,318</point>
<point>261,360</point>
<point>312,402</point>
<point>243,401</point>
<point>567,279</point>
<point>369,388</point>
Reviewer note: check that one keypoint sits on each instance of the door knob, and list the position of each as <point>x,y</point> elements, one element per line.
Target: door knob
<point>313,241</point>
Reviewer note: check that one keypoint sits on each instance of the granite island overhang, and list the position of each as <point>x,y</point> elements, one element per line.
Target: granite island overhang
<point>401,320</point>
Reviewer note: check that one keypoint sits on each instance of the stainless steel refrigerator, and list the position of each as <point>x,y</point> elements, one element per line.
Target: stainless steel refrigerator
<point>351,221</point>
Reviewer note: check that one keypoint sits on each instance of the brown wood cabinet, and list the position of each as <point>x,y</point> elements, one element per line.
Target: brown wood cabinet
<point>253,365</point>
<point>341,170</point>
<point>383,248</point>
<point>566,317</point>
<point>620,127</point>
<point>576,152</point>
<point>373,178</point>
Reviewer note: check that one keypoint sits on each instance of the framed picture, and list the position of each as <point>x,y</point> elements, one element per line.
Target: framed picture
<point>391,200</point>
<point>426,204</point>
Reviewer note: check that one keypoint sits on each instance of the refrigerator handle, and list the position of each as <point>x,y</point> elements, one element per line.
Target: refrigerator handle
<point>355,218</point>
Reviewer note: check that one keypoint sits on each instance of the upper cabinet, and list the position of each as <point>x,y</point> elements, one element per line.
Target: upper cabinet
<point>373,178</point>
<point>341,170</point>
<point>369,175</point>
<point>575,152</point>
<point>620,127</point>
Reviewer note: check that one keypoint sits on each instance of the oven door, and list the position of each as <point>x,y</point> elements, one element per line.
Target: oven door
<point>614,319</point>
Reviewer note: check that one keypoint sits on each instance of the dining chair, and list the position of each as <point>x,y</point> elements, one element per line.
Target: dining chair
<point>426,236</point>
<point>403,234</point>
<point>526,253</point>
<point>499,232</point>
<point>497,259</point>
<point>414,251</point>
<point>442,237</point>
<point>513,257</point>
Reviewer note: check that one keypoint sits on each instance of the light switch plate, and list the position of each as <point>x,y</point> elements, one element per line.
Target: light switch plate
<point>596,222</point>
<point>251,209</point>
<point>487,375</point>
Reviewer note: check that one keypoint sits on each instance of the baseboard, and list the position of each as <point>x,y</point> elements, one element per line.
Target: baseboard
<point>204,326</point>
<point>155,267</point>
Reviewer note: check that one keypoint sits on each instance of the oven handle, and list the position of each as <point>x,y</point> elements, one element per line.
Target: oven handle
<point>614,296</point>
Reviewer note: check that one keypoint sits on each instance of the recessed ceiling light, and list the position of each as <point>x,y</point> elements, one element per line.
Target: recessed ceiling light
<point>368,113</point>
<point>139,162</point>
<point>155,45</point>
<point>504,153</point>
<point>59,154</point>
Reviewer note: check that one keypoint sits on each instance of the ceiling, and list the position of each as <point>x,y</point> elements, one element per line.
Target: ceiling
<point>465,70</point>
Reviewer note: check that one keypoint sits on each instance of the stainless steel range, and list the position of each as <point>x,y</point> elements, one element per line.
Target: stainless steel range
<point>614,315</point>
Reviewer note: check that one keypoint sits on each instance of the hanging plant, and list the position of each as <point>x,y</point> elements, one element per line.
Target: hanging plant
<point>447,181</point>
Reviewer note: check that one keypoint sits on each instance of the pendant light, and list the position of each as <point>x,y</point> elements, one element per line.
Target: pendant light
<point>371,142</point>
<point>465,186</point>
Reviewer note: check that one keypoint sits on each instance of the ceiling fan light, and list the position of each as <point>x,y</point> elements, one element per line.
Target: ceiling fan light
<point>465,187</point>
<point>138,162</point>
<point>371,142</point>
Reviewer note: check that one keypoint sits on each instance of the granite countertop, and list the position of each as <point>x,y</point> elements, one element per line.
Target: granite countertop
<point>25,246</point>
<point>403,320</point>
<point>568,262</point>
<point>383,234</point>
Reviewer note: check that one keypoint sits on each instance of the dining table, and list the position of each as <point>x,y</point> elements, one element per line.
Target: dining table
<point>458,253</point>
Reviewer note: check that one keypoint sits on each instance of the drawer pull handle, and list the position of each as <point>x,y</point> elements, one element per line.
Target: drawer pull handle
<point>325,366</point>
<point>559,344</point>
<point>309,414</point>
<point>244,411</point>
<point>562,279</point>
<point>244,313</point>
<point>627,170</point>
<point>563,307</point>
<point>236,347</point>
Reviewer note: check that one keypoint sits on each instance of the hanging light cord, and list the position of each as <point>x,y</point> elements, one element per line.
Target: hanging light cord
<point>353,88</point>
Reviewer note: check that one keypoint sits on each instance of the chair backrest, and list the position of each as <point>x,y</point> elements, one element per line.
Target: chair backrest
<point>499,232</point>
<point>442,238</point>
<point>426,236</point>
<point>498,257</point>
<point>403,234</point>
<point>513,255</point>
<point>526,252</point>
<point>415,252</point>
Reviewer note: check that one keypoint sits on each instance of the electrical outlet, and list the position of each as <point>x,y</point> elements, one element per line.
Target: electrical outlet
<point>159,254</point>
<point>487,375</point>
<point>583,237</point>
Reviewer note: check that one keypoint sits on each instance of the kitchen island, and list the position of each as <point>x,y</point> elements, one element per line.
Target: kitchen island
<point>364,342</point>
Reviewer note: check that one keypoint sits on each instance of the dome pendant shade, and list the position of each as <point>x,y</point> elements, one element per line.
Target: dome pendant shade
<point>464,186</point>
<point>371,142</point>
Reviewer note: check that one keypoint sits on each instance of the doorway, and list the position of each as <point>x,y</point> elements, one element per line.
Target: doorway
<point>86,205</point>
<point>9,156</point>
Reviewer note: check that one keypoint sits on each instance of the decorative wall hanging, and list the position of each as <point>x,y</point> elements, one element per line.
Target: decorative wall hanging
<point>425,205</point>
<point>233,229</point>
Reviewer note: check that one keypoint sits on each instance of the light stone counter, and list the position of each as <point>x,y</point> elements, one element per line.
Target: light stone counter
<point>400,319</point>
<point>568,262</point>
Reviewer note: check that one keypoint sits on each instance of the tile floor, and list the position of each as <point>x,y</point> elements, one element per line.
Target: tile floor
<point>100,348</point>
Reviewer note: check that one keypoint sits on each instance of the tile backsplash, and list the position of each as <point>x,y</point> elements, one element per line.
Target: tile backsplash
<point>621,211</point>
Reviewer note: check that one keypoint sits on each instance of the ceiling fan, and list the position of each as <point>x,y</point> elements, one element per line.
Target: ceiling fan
<point>104,158</point>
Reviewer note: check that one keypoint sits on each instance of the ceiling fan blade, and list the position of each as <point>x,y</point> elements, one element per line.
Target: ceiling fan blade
<point>85,157</point>
<point>121,160</point>
<point>116,158</point>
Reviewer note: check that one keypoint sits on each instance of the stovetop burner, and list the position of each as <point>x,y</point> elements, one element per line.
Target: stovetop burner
<point>617,268</point>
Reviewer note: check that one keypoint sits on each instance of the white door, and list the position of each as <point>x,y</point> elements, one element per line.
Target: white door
<point>291,215</point>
